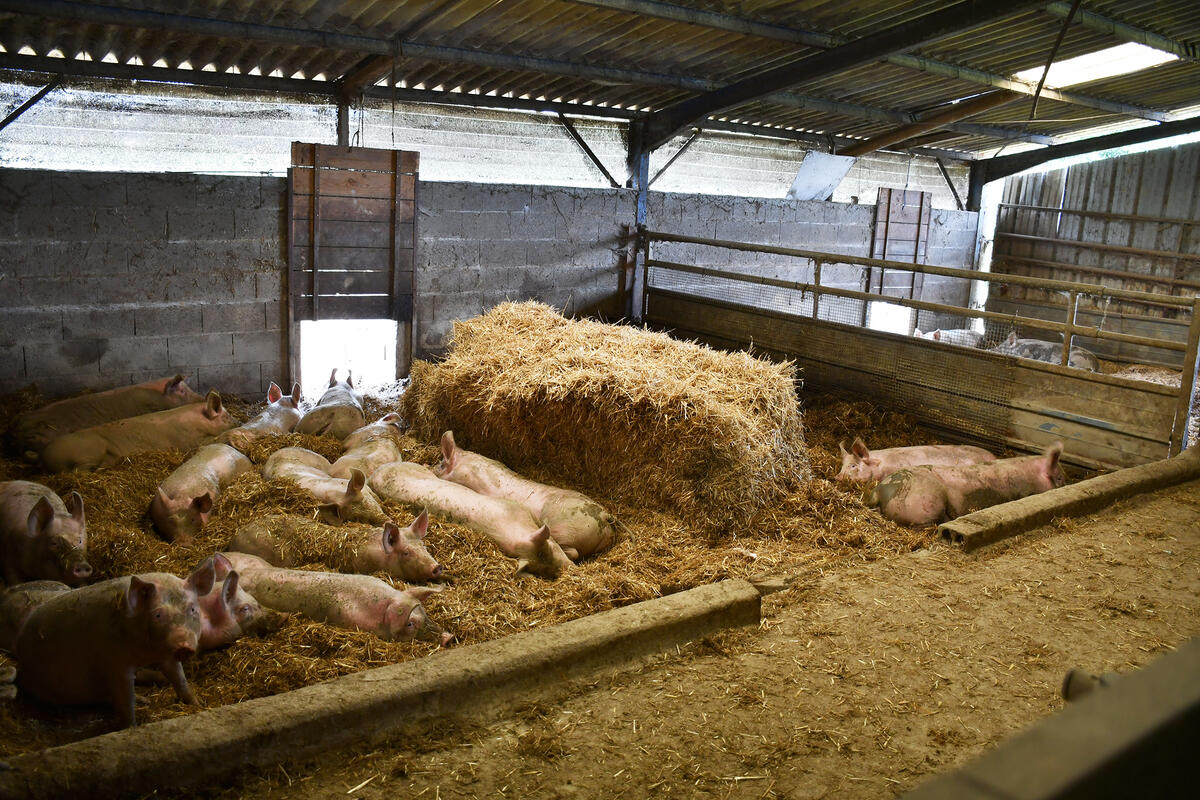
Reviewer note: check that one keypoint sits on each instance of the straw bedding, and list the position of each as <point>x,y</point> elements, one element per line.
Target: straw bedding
<point>815,525</point>
<point>630,414</point>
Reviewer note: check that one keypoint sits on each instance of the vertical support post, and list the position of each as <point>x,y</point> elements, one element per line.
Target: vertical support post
<point>639,162</point>
<point>292,292</point>
<point>1069,330</point>
<point>817,290</point>
<point>1187,385</point>
<point>975,186</point>
<point>315,229</point>
<point>343,121</point>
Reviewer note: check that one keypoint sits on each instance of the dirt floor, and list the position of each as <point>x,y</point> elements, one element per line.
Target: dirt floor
<point>862,680</point>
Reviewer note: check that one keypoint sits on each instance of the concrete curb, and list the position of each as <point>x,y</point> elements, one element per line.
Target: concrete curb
<point>209,746</point>
<point>1136,738</point>
<point>1008,519</point>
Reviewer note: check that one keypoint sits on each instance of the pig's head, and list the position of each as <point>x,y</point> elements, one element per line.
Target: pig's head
<point>347,384</point>
<point>386,426</point>
<point>59,542</point>
<point>401,552</point>
<point>228,612</point>
<point>449,455</point>
<point>215,412</point>
<point>276,397</point>
<point>1050,471</point>
<point>177,392</point>
<point>857,463</point>
<point>543,556</point>
<point>406,618</point>
<point>164,611</point>
<point>355,505</point>
<point>179,519</point>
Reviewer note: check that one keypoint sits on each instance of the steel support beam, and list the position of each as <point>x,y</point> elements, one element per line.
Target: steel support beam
<point>343,121</point>
<point>31,102</point>
<point>992,169</point>
<point>951,114</point>
<point>1121,30</point>
<point>570,128</point>
<point>691,140</point>
<point>662,125</point>
<point>825,41</point>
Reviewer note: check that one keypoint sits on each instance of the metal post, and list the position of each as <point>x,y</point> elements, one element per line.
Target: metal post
<point>1069,329</point>
<point>639,162</point>
<point>1187,384</point>
<point>343,122</point>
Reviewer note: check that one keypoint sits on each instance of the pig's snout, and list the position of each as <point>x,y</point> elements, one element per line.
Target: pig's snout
<point>446,638</point>
<point>436,572</point>
<point>183,652</point>
<point>82,571</point>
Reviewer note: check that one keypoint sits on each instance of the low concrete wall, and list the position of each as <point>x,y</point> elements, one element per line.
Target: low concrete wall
<point>206,747</point>
<point>1009,519</point>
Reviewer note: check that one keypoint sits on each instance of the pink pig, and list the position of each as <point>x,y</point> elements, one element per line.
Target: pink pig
<point>180,428</point>
<point>40,536</point>
<point>280,416</point>
<point>182,502</point>
<point>861,464</point>
<point>343,499</point>
<point>338,413</point>
<point>928,495</point>
<point>229,612</point>
<point>370,447</point>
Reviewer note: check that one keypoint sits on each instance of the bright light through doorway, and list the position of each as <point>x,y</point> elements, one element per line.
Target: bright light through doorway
<point>365,347</point>
<point>1120,60</point>
<point>889,318</point>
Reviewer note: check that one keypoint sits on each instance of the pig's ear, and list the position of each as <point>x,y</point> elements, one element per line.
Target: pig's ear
<point>448,449</point>
<point>295,395</point>
<point>203,503</point>
<point>390,537</point>
<point>139,596</point>
<point>175,386</point>
<point>229,588</point>
<point>1053,453</point>
<point>420,525</point>
<point>40,516</point>
<point>221,566</point>
<point>274,392</point>
<point>212,404</point>
<point>842,448</point>
<point>330,513</point>
<point>422,593</point>
<point>357,481</point>
<point>523,567</point>
<point>859,448</point>
<point>333,378</point>
<point>541,535</point>
<point>74,504</point>
<point>203,578</point>
<point>1012,338</point>
<point>350,379</point>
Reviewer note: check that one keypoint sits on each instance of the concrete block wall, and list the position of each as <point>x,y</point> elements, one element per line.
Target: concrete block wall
<point>108,279</point>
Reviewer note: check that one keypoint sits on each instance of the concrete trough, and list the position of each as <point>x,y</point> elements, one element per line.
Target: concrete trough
<point>1009,519</point>
<point>207,747</point>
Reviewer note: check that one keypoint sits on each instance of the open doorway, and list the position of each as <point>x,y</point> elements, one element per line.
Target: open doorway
<point>364,347</point>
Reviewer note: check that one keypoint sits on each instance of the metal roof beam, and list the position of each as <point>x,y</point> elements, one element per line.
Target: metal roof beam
<point>662,125</point>
<point>725,22</point>
<point>1122,30</point>
<point>931,122</point>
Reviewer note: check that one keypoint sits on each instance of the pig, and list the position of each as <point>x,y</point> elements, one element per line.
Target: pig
<point>353,602</point>
<point>963,337</point>
<point>338,413</point>
<point>579,524</point>
<point>287,540</point>
<point>343,499</point>
<point>180,428</point>
<point>861,464</point>
<point>228,612</point>
<point>18,602</point>
<point>509,525</point>
<point>33,430</point>
<point>182,502</point>
<point>85,645</point>
<point>928,495</point>
<point>41,536</point>
<point>370,447</point>
<point>280,416</point>
<point>1050,352</point>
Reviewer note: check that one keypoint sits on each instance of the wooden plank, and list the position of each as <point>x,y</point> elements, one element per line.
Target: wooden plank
<point>343,158</point>
<point>368,209</point>
<point>1187,383</point>
<point>339,258</point>
<point>345,183</point>
<point>1089,441</point>
<point>376,282</point>
<point>293,323</point>
<point>347,307</point>
<point>341,233</point>
<point>314,241</point>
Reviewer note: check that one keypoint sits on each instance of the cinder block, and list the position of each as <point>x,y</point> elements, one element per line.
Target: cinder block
<point>165,190</point>
<point>101,288</point>
<point>208,287</point>
<point>202,350</point>
<point>510,253</point>
<point>275,315</point>
<point>174,319</point>
<point>445,224</point>
<point>54,386</point>
<point>242,380</point>
<point>443,253</point>
<point>260,346</point>
<point>502,198</point>
<point>227,192</point>
<point>29,325</point>
<point>24,187</point>
<point>77,357</point>
<point>273,192</point>
<point>218,317</point>
<point>260,223</point>
<point>201,223</point>
<point>95,323</point>
<point>131,223</point>
<point>57,259</point>
<point>90,189</point>
<point>269,286</point>
<point>135,353</point>
<point>12,362</point>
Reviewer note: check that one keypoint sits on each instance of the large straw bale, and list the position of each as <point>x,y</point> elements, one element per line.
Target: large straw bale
<point>625,413</point>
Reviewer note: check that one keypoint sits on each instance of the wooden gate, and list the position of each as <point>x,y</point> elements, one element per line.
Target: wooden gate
<point>901,233</point>
<point>351,239</point>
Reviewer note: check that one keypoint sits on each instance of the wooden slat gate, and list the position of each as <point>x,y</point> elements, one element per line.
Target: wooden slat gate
<point>901,234</point>
<point>351,239</point>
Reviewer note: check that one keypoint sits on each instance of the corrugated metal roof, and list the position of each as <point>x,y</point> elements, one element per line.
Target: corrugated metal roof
<point>632,54</point>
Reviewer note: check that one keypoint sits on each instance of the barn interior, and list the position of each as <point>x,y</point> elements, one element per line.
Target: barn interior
<point>247,194</point>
